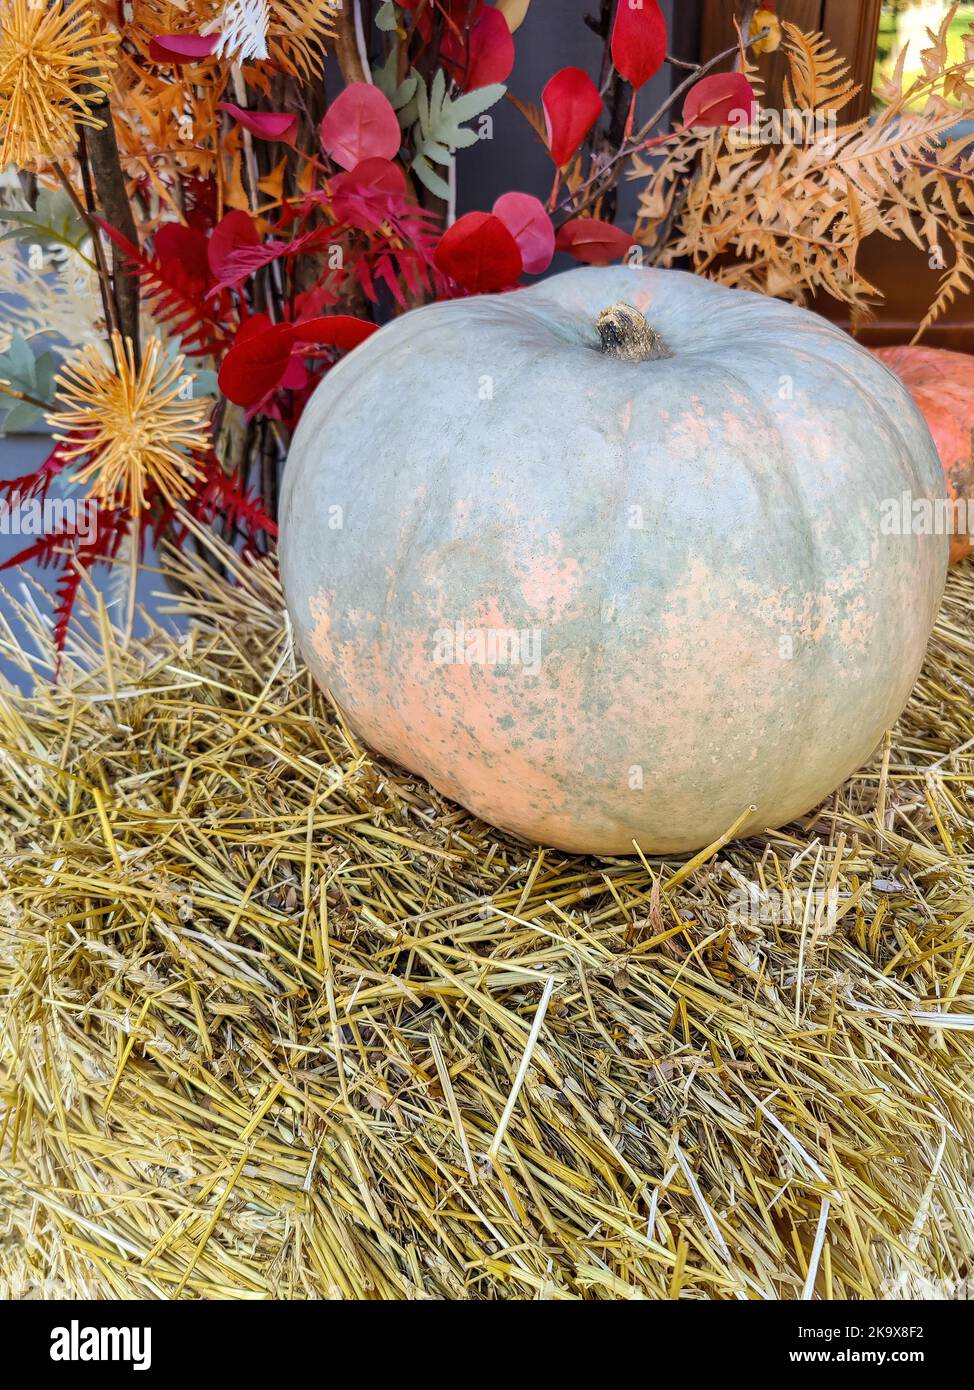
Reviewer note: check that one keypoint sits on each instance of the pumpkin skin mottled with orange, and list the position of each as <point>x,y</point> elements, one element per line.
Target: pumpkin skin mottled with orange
<point>679,561</point>
<point>941,383</point>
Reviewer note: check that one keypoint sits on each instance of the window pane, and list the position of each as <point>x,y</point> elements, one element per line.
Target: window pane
<point>905,22</point>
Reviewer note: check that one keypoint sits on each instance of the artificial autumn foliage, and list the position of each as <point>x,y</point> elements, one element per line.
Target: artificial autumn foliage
<point>789,219</point>
<point>55,68</point>
<point>203,190</point>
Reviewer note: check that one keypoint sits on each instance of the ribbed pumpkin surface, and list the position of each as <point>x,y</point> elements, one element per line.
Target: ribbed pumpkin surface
<point>600,601</point>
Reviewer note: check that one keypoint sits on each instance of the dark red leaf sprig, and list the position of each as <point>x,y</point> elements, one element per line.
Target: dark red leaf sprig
<point>179,287</point>
<point>74,555</point>
<point>224,499</point>
<point>36,484</point>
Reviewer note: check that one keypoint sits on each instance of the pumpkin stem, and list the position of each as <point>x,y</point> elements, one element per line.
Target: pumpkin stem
<point>626,335</point>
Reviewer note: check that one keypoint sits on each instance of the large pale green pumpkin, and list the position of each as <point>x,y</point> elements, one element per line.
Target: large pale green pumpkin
<point>614,578</point>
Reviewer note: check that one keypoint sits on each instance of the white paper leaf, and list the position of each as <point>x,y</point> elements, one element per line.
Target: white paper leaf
<point>242,26</point>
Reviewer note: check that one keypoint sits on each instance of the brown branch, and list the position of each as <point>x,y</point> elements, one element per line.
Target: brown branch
<point>7,390</point>
<point>346,45</point>
<point>104,279</point>
<point>613,168</point>
<point>101,148</point>
<point>616,96</point>
<point>230,441</point>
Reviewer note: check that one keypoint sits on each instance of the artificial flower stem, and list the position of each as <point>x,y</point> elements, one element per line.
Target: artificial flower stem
<point>100,150</point>
<point>104,279</point>
<point>24,396</point>
<point>641,139</point>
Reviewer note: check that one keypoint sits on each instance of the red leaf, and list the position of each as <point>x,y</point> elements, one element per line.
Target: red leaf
<point>183,252</point>
<point>35,484</point>
<point>312,301</point>
<point>572,105</point>
<point>75,557</point>
<point>360,124</point>
<point>295,377</point>
<point>638,40</point>
<point>236,250</point>
<point>182,48</point>
<point>266,125</point>
<point>234,230</point>
<point>333,330</point>
<point>260,357</point>
<point>592,241</point>
<point>491,52</point>
<point>715,100</point>
<point>368,195</point>
<point>525,218</point>
<point>480,254</point>
<point>185,314</point>
<point>222,496</point>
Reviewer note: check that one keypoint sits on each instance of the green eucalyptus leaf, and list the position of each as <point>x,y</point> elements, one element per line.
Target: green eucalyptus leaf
<point>406,90</point>
<point>470,104</point>
<point>409,114</point>
<point>462,139</point>
<point>430,178</point>
<point>53,221</point>
<point>17,365</point>
<point>439,129</point>
<point>46,368</point>
<point>423,109</point>
<point>438,90</point>
<point>20,416</point>
<point>387,19</point>
<point>34,376</point>
<point>439,154</point>
<point>385,75</point>
<point>21,370</point>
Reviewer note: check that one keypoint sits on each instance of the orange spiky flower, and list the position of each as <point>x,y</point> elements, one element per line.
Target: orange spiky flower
<point>132,422</point>
<point>54,68</point>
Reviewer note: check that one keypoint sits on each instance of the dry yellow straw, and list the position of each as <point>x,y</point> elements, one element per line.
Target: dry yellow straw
<point>267,1004</point>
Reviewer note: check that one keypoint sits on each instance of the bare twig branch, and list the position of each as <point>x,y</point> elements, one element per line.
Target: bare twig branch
<point>101,148</point>
<point>104,279</point>
<point>7,390</point>
<point>349,44</point>
<point>608,175</point>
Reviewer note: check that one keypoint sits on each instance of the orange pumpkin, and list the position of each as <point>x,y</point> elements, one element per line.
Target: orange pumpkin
<point>942,384</point>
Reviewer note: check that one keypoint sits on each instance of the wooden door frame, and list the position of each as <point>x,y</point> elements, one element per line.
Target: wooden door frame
<point>854,30</point>
<point>851,25</point>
